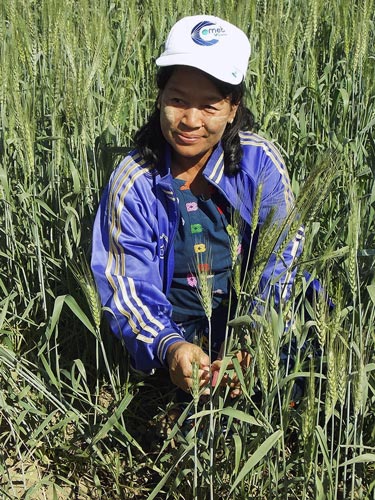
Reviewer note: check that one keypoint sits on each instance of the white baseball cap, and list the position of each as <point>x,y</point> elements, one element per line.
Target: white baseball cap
<point>210,44</point>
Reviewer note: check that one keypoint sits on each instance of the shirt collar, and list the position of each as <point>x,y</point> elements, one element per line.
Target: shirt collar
<point>213,170</point>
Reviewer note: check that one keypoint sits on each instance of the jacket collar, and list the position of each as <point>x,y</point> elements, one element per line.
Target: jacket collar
<point>213,170</point>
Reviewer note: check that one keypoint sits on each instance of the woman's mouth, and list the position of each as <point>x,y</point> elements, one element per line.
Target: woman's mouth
<point>186,138</point>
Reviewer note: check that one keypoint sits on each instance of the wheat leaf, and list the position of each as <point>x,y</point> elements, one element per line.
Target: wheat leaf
<point>260,453</point>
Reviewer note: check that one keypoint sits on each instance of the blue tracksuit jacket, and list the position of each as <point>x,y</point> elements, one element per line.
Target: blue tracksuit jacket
<point>133,255</point>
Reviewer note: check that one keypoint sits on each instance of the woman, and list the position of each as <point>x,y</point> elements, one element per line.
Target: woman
<point>164,218</point>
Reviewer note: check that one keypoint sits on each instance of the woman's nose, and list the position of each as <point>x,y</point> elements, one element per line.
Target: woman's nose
<point>192,118</point>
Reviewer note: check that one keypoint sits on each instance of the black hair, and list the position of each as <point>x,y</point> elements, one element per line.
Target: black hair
<point>149,139</point>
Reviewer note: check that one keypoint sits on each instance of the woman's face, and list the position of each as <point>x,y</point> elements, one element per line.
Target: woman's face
<point>193,115</point>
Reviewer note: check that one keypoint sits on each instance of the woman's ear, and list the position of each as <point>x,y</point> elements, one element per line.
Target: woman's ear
<point>232,113</point>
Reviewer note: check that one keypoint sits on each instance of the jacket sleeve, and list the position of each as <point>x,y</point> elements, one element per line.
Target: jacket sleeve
<point>125,264</point>
<point>285,246</point>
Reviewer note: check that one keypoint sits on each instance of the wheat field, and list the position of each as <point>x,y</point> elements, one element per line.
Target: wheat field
<point>76,82</point>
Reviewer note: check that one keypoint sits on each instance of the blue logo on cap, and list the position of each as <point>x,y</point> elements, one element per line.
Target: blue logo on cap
<point>206,33</point>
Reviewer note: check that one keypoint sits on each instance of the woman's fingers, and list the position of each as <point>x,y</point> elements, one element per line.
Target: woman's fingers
<point>244,358</point>
<point>227,379</point>
<point>182,357</point>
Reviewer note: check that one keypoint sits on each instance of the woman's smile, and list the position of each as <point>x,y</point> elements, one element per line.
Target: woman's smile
<point>187,138</point>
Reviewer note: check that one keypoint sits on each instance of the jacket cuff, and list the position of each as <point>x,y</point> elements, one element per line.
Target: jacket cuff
<point>164,343</point>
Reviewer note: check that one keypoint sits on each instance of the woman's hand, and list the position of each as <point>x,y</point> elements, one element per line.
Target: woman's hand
<point>244,359</point>
<point>180,359</point>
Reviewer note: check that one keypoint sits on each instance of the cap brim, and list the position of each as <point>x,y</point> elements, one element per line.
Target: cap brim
<point>211,68</point>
